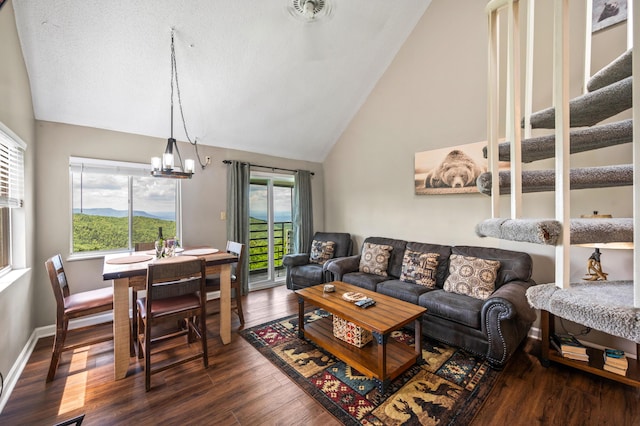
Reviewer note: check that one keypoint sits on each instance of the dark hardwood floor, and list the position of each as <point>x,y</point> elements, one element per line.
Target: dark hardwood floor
<point>241,387</point>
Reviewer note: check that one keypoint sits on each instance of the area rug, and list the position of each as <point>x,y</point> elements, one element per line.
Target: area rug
<point>447,388</point>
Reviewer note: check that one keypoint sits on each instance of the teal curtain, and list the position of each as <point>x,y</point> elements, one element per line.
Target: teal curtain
<point>238,212</point>
<point>302,212</point>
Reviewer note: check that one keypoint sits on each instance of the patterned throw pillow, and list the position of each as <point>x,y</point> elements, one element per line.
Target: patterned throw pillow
<point>375,258</point>
<point>419,268</point>
<point>472,276</point>
<point>321,251</point>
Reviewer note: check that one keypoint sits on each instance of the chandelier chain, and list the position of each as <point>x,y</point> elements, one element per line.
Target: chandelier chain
<point>174,76</point>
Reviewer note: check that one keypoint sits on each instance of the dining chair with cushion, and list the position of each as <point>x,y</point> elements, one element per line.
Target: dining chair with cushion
<point>175,293</point>
<point>237,271</point>
<point>70,306</point>
<point>141,246</point>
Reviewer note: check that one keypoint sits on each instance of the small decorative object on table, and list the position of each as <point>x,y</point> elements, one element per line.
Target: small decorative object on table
<point>329,288</point>
<point>353,296</point>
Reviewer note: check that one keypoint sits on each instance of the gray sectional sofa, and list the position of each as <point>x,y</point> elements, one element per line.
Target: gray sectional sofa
<point>491,328</point>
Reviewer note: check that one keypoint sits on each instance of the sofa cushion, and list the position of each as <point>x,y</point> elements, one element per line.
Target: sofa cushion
<point>419,268</point>
<point>452,306</point>
<point>515,265</point>
<point>321,251</point>
<point>363,280</point>
<point>395,261</point>
<point>306,275</point>
<point>375,259</point>
<point>472,276</point>
<point>443,260</point>
<point>409,292</point>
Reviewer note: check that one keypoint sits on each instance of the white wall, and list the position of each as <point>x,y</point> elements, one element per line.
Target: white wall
<point>16,112</point>
<point>204,196</point>
<point>433,96</point>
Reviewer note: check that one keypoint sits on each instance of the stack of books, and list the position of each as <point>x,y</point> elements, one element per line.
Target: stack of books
<point>569,347</point>
<point>615,361</point>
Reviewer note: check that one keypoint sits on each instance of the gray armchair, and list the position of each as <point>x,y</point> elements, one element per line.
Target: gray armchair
<point>302,272</point>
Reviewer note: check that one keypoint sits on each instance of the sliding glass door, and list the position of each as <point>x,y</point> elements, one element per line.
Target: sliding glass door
<point>270,226</point>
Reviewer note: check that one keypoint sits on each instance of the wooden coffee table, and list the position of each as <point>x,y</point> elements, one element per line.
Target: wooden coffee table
<point>383,359</point>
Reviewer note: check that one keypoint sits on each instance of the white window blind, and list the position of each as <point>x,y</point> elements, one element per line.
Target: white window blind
<point>91,165</point>
<point>11,169</point>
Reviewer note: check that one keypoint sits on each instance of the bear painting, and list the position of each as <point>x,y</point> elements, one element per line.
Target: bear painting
<point>449,170</point>
<point>457,170</point>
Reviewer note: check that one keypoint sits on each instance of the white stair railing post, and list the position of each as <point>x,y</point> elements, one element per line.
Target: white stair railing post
<point>493,111</point>
<point>514,132</point>
<point>635,16</point>
<point>561,105</point>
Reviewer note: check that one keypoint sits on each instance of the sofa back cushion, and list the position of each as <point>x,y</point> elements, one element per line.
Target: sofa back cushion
<point>321,251</point>
<point>419,268</point>
<point>472,276</point>
<point>397,254</point>
<point>514,265</point>
<point>341,240</point>
<point>375,259</point>
<point>443,260</point>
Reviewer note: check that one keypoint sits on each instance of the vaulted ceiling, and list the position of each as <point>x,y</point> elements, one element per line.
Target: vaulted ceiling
<point>254,75</point>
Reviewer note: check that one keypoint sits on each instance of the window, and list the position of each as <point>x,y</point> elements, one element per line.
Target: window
<point>116,205</point>
<point>11,189</point>
<point>270,227</point>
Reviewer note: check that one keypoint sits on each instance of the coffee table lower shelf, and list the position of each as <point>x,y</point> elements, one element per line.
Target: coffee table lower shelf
<point>399,356</point>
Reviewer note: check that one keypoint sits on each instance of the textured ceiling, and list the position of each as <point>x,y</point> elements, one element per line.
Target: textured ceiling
<point>252,77</point>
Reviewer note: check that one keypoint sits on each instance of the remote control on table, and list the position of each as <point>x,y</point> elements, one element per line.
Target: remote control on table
<point>364,303</point>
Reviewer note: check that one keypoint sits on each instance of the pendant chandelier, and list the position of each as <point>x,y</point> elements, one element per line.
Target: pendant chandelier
<point>166,165</point>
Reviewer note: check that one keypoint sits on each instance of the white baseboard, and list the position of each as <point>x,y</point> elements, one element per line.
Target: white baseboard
<point>49,330</point>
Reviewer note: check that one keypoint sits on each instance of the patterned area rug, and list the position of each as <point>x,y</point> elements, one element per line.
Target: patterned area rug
<point>447,388</point>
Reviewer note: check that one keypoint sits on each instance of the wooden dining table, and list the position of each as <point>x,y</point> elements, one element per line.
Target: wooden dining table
<point>129,270</point>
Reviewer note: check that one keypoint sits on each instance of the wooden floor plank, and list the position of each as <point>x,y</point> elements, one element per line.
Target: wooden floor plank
<point>241,387</point>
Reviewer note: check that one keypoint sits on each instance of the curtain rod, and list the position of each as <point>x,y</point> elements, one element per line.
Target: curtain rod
<point>265,167</point>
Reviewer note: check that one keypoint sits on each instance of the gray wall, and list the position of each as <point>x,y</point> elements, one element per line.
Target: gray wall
<point>16,112</point>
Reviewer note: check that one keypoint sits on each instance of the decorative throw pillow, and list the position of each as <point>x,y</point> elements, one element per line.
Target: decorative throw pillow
<point>419,268</point>
<point>472,276</point>
<point>375,258</point>
<point>321,251</point>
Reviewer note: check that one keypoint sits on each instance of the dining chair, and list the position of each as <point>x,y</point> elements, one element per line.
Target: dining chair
<point>213,281</point>
<point>70,306</point>
<point>141,246</point>
<point>175,292</point>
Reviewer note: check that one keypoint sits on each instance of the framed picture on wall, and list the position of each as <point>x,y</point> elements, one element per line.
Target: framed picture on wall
<point>605,13</point>
<point>451,170</point>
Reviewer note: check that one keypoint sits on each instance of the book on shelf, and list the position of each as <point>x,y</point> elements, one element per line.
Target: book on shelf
<point>615,358</point>
<point>568,343</point>
<point>569,355</point>
<point>611,368</point>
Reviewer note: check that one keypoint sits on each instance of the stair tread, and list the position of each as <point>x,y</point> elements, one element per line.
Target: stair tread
<point>549,231</point>
<point>590,108</point>
<point>581,140</point>
<point>618,69</point>
<point>544,180</point>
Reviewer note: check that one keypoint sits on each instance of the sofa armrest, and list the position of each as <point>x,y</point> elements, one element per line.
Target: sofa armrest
<point>506,318</point>
<point>295,259</point>
<point>343,265</point>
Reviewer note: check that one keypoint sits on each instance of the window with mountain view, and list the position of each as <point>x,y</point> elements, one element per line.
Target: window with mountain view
<point>116,205</point>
